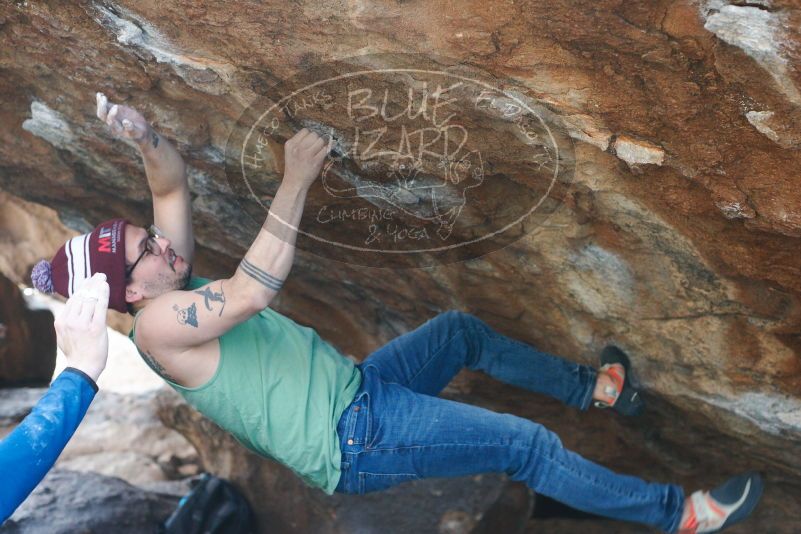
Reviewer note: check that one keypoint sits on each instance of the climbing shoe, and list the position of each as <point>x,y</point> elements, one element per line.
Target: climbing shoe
<point>730,503</point>
<point>626,399</point>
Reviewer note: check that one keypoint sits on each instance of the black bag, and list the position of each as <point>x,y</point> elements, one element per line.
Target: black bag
<point>212,507</point>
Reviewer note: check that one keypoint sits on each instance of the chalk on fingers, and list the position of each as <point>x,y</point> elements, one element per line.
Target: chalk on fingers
<point>101,106</point>
<point>92,284</point>
<point>113,111</point>
<point>101,305</point>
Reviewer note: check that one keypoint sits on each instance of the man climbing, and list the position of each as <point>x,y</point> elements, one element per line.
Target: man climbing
<point>286,394</point>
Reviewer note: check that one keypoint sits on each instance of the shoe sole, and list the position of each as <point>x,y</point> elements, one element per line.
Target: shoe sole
<point>751,500</point>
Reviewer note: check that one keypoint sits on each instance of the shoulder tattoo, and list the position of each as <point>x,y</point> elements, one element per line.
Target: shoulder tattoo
<point>210,296</point>
<point>187,315</point>
<point>155,365</point>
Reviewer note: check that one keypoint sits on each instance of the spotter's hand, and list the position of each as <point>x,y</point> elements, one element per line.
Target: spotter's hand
<point>81,326</point>
<point>123,121</point>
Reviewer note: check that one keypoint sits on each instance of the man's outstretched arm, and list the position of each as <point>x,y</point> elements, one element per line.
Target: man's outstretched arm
<point>180,320</point>
<point>266,264</point>
<point>166,174</point>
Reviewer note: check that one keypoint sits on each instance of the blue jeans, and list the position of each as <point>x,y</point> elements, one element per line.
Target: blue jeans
<point>397,430</point>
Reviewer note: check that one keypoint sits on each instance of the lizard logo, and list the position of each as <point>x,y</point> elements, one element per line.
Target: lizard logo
<point>428,164</point>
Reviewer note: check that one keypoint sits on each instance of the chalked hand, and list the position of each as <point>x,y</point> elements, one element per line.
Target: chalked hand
<point>123,121</point>
<point>304,156</point>
<point>81,327</point>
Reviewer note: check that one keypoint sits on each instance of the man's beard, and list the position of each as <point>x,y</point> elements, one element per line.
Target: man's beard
<point>165,284</point>
<point>186,277</point>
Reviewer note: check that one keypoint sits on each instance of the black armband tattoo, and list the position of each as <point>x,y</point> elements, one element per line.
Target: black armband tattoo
<point>267,280</point>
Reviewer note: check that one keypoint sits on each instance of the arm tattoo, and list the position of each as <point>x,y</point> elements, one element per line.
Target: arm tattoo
<point>187,315</point>
<point>211,296</point>
<point>267,280</point>
<point>156,366</point>
<point>154,138</point>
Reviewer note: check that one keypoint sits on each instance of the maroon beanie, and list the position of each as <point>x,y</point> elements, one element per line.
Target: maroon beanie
<point>100,251</point>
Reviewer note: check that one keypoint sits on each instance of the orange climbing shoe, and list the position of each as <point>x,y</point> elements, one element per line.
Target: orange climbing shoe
<point>729,503</point>
<point>624,398</point>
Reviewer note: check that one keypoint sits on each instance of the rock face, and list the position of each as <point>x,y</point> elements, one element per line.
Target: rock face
<point>120,436</point>
<point>67,502</point>
<point>15,404</point>
<point>672,226</point>
<point>27,230</point>
<point>27,340</point>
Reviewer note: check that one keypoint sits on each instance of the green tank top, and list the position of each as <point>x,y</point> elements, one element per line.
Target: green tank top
<point>280,390</point>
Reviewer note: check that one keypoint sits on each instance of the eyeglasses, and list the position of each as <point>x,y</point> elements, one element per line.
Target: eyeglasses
<point>151,246</point>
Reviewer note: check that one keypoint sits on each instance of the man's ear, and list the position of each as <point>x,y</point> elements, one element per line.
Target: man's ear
<point>132,295</point>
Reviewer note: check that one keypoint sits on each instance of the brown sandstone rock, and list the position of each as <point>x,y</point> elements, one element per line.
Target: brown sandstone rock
<point>685,251</point>
<point>29,232</point>
<point>27,340</point>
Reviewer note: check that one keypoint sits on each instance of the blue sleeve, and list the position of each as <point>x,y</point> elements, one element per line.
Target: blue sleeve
<point>28,453</point>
